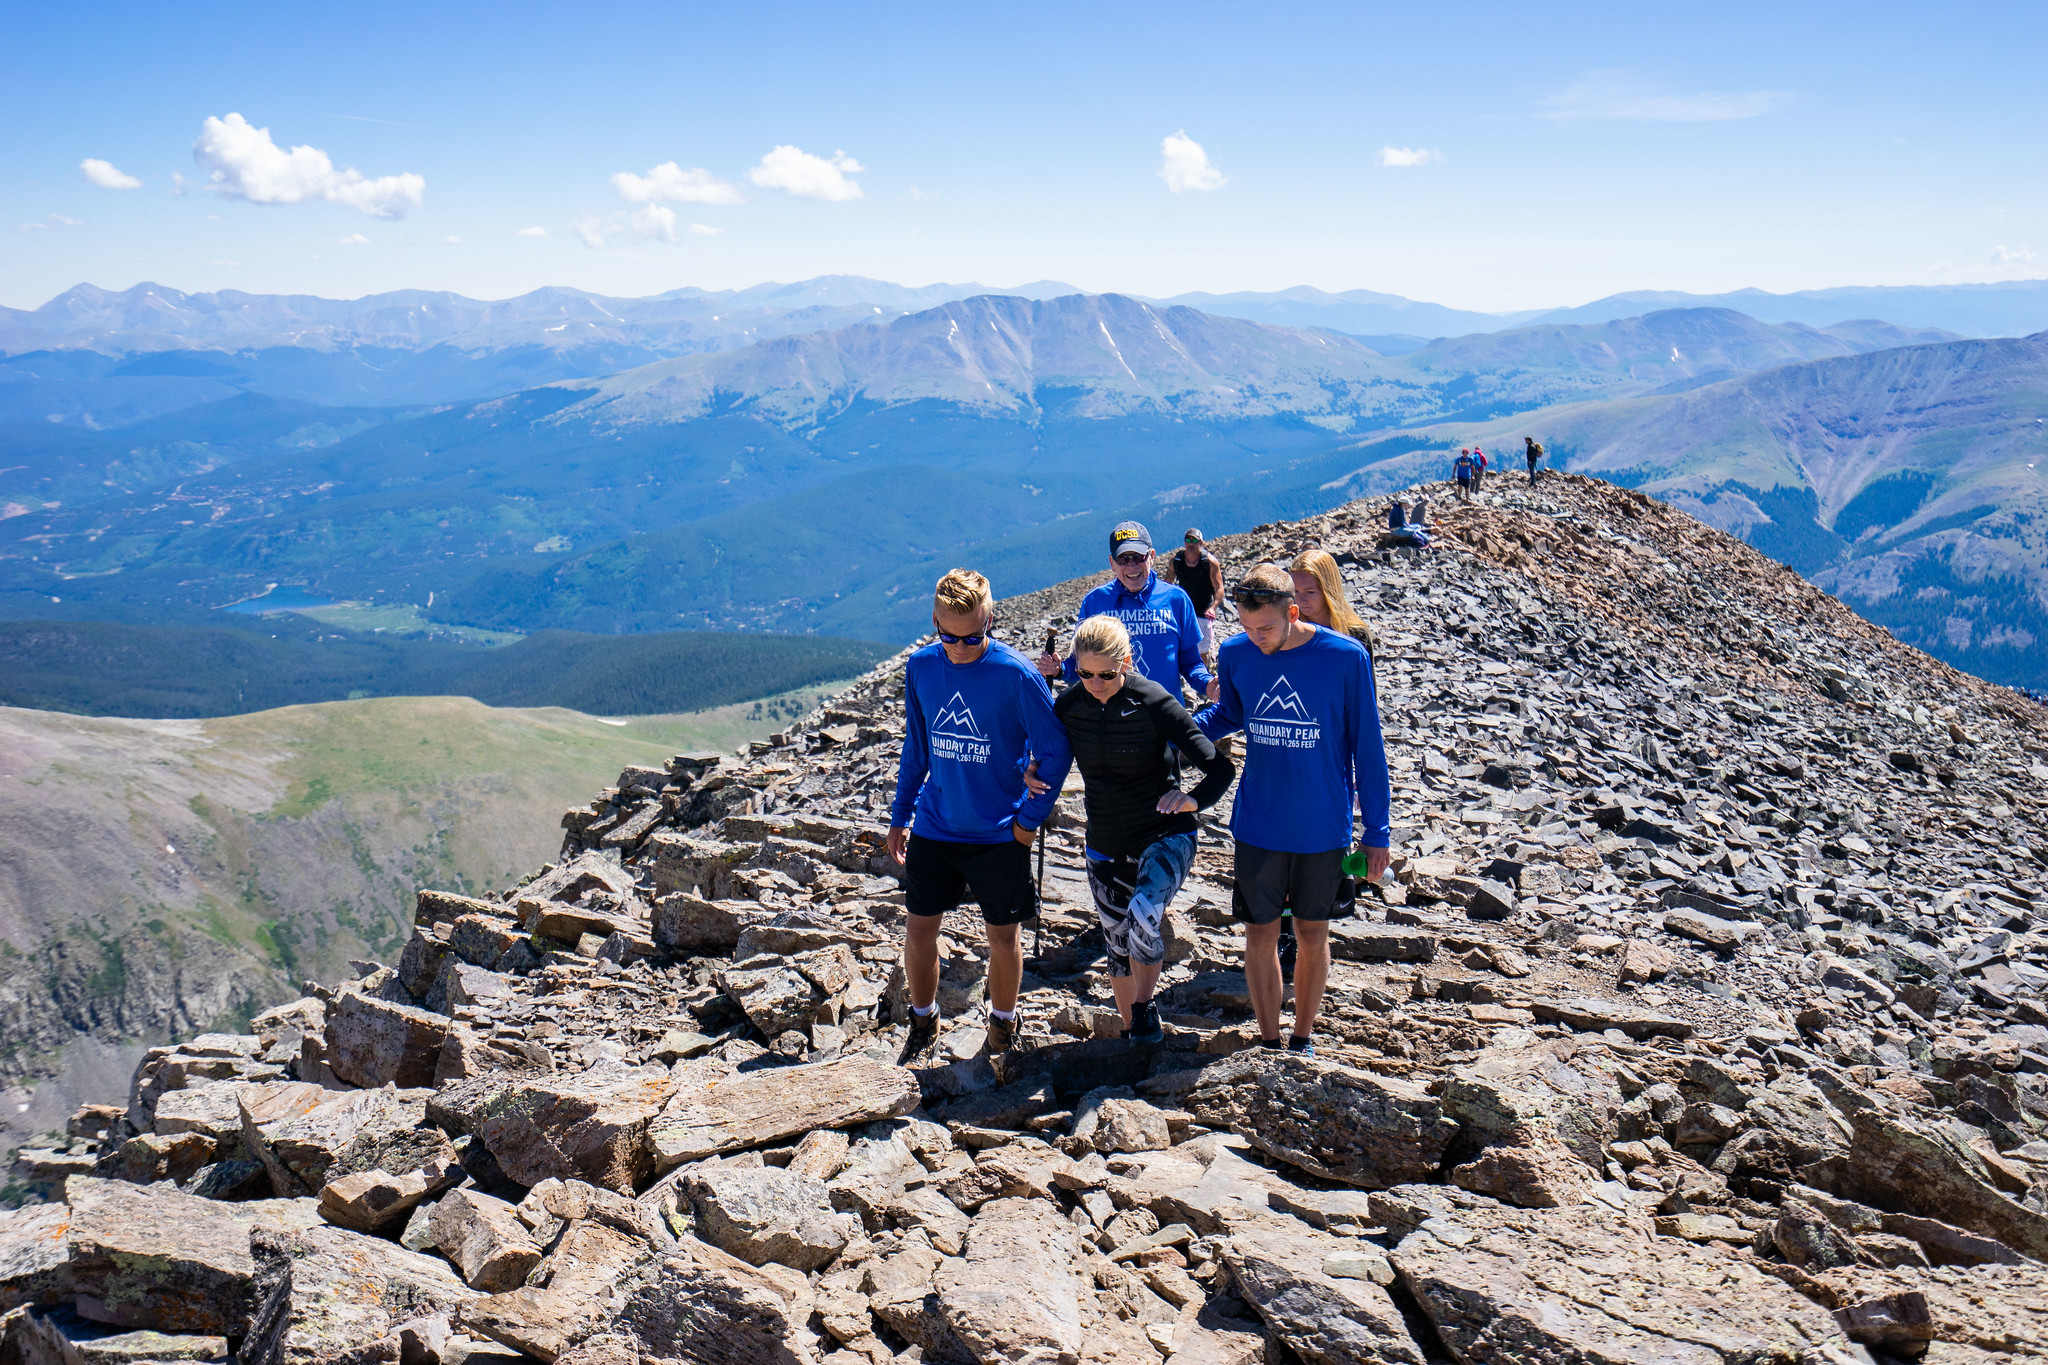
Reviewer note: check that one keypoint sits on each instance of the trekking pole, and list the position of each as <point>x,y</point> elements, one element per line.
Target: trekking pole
<point>1052,637</point>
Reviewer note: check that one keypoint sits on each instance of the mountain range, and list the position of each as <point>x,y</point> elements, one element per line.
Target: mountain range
<point>817,480</point>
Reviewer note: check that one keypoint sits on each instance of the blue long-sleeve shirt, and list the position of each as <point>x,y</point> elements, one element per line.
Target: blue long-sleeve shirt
<point>969,730</point>
<point>1311,717</point>
<point>1166,631</point>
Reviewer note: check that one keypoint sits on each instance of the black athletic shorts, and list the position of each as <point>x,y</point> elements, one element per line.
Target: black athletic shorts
<point>1311,885</point>
<point>938,875</point>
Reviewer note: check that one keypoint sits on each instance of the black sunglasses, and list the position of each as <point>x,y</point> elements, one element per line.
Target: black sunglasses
<point>1086,676</point>
<point>985,633</point>
<point>1260,597</point>
<point>1131,559</point>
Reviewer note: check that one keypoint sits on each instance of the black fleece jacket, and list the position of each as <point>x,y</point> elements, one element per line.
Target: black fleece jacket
<point>1122,748</point>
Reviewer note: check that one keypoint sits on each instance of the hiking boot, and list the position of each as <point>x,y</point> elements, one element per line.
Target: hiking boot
<point>924,1031</point>
<point>1002,1035</point>
<point>1305,1046</point>
<point>1145,1025</point>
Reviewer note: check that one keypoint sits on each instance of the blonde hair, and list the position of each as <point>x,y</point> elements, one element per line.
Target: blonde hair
<point>1106,636</point>
<point>1323,567</point>
<point>962,592</point>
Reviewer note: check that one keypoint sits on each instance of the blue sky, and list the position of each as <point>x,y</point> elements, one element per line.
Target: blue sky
<point>1553,154</point>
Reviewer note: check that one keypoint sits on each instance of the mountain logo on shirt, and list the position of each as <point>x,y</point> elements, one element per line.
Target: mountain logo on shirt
<point>956,721</point>
<point>1282,703</point>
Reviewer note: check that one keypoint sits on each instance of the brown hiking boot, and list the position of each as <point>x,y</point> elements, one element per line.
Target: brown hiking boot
<point>1002,1034</point>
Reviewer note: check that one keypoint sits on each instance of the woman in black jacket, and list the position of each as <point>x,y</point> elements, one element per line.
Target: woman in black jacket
<point>1141,825</point>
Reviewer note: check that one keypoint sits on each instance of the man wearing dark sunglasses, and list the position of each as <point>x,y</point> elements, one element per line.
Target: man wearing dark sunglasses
<point>1165,629</point>
<point>975,714</point>
<point>1305,698</point>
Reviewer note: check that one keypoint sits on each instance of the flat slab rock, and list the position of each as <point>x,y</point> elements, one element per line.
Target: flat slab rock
<point>1588,1014</point>
<point>1330,1120</point>
<point>589,1127</point>
<point>326,1292</point>
<point>761,1107</point>
<point>1589,1283</point>
<point>1988,1313</point>
<point>172,1262</point>
<point>1279,1268</point>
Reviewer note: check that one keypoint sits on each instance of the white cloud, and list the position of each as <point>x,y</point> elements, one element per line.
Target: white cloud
<point>178,183</point>
<point>655,220</point>
<point>531,232</point>
<point>246,164</point>
<point>51,223</point>
<point>1627,95</point>
<point>670,183</point>
<point>107,176</point>
<point>808,177</point>
<point>592,229</point>
<point>1185,166</point>
<point>2011,255</point>
<point>451,241</point>
<point>355,239</point>
<point>1408,156</point>
<point>702,231</point>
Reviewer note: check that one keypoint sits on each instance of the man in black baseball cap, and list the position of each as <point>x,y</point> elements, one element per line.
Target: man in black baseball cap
<point>1165,629</point>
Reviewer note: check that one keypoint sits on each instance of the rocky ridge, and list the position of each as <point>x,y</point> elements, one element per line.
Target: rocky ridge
<point>1702,1020</point>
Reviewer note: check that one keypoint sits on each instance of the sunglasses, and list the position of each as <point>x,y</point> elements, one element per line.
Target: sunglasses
<point>1131,560</point>
<point>1260,597</point>
<point>987,632</point>
<point>1085,676</point>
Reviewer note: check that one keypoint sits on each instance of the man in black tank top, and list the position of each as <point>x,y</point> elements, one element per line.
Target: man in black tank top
<point>1197,573</point>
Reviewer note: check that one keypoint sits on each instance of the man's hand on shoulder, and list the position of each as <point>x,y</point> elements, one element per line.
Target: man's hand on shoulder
<point>899,840</point>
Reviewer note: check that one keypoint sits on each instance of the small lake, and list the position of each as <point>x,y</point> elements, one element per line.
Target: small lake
<point>283,597</point>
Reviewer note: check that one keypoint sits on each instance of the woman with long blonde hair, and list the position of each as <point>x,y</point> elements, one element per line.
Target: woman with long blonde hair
<point>1319,592</point>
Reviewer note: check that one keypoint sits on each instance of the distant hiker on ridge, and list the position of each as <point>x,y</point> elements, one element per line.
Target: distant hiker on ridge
<point>1478,469</point>
<point>1306,701</point>
<point>1141,825</point>
<point>1534,454</point>
<point>1463,471</point>
<point>1166,634</point>
<point>1199,574</point>
<point>974,712</point>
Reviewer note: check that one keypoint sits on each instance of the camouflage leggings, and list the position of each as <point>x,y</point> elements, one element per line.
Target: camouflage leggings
<point>1131,895</point>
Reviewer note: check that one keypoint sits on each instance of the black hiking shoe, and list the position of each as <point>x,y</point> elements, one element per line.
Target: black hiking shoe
<point>924,1031</point>
<point>1305,1046</point>
<point>1145,1025</point>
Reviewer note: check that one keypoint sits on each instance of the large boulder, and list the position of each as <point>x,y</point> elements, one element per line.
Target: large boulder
<point>348,1130</point>
<point>169,1261</point>
<point>1918,1167</point>
<point>373,1042</point>
<point>1594,1283</point>
<point>485,1238</point>
<point>1280,1269</point>
<point>326,1294</point>
<point>1535,1126</point>
<point>590,1126</point>
<point>763,1107</point>
<point>1013,1295</point>
<point>764,1213</point>
<point>1991,1314</point>
<point>1330,1120</point>
<point>35,1255</point>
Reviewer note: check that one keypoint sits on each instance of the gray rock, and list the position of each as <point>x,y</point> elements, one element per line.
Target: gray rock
<point>326,1294</point>
<point>373,1042</point>
<point>1588,1283</point>
<point>767,1107</point>
<point>1325,1319</point>
<point>1013,1295</point>
<point>766,1214</point>
<point>1331,1120</point>
<point>592,1126</point>
<point>485,1238</point>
